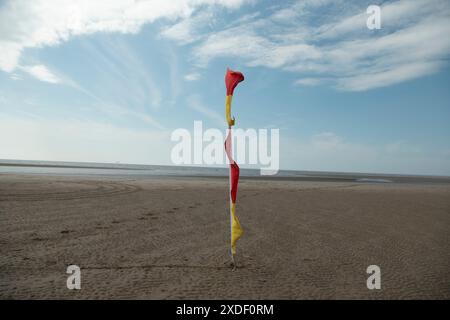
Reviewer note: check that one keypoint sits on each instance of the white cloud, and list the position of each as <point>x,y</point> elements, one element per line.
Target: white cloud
<point>340,50</point>
<point>314,38</point>
<point>34,24</point>
<point>41,72</point>
<point>391,76</point>
<point>307,81</point>
<point>188,29</point>
<point>15,76</point>
<point>233,42</point>
<point>359,64</point>
<point>192,76</point>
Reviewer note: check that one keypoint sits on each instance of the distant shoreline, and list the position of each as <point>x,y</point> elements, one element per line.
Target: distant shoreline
<point>65,166</point>
<point>74,168</point>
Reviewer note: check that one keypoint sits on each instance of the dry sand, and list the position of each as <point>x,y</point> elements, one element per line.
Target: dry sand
<point>167,238</point>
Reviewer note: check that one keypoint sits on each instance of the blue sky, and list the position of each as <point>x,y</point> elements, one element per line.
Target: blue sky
<point>109,81</point>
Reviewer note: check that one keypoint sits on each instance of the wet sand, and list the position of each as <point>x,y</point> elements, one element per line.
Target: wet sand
<point>167,238</point>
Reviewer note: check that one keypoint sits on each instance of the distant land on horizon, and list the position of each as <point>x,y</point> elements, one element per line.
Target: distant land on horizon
<point>172,170</point>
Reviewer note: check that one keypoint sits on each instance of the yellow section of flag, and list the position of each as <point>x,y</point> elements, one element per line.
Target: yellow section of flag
<point>230,121</point>
<point>236,229</point>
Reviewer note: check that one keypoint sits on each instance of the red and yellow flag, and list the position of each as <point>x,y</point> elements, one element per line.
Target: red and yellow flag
<point>232,78</point>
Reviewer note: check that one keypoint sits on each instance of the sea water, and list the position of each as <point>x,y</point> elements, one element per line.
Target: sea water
<point>119,169</point>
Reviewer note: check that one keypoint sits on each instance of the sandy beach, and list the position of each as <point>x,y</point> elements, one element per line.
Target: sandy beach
<point>167,238</point>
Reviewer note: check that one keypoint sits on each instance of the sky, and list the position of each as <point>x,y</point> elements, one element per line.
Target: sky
<point>109,81</point>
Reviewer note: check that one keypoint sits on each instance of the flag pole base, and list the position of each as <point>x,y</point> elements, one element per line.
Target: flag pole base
<point>233,263</point>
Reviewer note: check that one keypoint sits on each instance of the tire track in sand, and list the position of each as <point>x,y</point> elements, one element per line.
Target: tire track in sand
<point>87,189</point>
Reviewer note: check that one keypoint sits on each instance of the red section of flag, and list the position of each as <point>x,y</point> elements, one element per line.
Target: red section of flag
<point>234,168</point>
<point>232,78</point>
<point>234,181</point>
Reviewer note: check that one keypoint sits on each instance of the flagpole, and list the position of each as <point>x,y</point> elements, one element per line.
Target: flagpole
<point>232,78</point>
<point>233,262</point>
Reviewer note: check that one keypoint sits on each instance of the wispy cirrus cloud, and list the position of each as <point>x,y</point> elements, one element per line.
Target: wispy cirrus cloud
<point>123,75</point>
<point>189,29</point>
<point>334,46</point>
<point>35,24</point>
<point>113,109</point>
<point>314,38</point>
<point>308,81</point>
<point>393,75</point>
<point>195,103</point>
<point>41,73</point>
<point>194,76</point>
